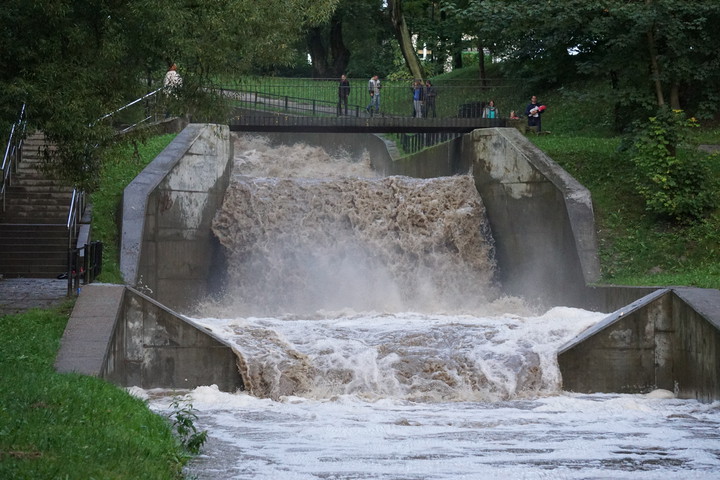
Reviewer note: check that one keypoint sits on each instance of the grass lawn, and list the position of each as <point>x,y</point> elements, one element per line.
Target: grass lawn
<point>67,426</point>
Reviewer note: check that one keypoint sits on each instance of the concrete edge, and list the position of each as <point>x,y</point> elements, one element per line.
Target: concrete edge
<point>88,333</point>
<point>178,316</point>
<point>704,301</point>
<point>578,200</point>
<point>613,318</point>
<point>136,194</point>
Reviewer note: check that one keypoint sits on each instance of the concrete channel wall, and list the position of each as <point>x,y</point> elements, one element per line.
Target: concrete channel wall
<point>541,218</point>
<point>669,339</point>
<point>167,245</point>
<point>543,226</point>
<point>129,339</point>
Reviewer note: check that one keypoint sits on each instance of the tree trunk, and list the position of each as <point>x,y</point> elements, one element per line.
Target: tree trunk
<point>654,66</point>
<point>318,53</point>
<point>403,36</point>
<point>339,52</point>
<point>457,58</point>
<point>675,97</point>
<point>481,64</point>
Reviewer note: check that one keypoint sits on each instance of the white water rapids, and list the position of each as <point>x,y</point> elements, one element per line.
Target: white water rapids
<point>374,344</point>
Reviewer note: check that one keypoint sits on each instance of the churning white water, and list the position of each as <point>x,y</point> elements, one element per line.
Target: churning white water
<point>374,344</point>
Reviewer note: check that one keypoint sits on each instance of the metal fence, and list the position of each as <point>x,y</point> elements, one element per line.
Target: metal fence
<point>319,97</point>
<point>411,143</point>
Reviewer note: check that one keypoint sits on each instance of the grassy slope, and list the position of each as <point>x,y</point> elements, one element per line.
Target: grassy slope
<point>635,248</point>
<point>71,426</point>
<point>121,165</point>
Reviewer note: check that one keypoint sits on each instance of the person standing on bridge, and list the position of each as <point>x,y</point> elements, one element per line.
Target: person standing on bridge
<point>343,94</point>
<point>490,110</point>
<point>374,90</point>
<point>430,94</point>
<point>418,98</point>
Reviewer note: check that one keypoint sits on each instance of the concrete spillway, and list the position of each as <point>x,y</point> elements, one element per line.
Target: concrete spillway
<point>542,223</point>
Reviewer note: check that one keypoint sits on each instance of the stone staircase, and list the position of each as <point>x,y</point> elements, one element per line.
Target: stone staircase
<point>33,227</point>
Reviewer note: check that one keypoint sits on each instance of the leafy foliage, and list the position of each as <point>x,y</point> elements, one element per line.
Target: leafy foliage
<point>73,61</point>
<point>673,182</point>
<point>650,52</point>
<point>183,419</point>
<point>636,246</point>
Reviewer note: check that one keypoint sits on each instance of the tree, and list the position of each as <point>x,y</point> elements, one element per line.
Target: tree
<point>402,33</point>
<point>326,42</point>
<point>650,50</point>
<point>73,61</point>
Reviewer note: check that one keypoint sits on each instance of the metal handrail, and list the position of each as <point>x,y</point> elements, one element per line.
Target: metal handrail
<point>144,97</point>
<point>13,153</point>
<point>77,207</point>
<point>78,199</point>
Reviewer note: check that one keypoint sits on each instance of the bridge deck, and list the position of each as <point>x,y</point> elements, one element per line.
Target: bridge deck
<point>375,124</point>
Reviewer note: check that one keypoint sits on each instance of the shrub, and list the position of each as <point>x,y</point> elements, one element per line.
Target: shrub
<point>674,182</point>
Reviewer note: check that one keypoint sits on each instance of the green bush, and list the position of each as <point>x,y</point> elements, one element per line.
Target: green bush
<point>674,182</point>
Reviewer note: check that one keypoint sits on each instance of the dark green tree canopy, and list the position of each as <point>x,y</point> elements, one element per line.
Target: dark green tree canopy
<point>652,51</point>
<point>72,61</point>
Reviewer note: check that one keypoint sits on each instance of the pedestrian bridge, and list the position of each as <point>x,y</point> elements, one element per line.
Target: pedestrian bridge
<point>248,121</point>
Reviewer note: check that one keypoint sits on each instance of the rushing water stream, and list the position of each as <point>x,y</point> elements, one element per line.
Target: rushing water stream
<point>374,344</point>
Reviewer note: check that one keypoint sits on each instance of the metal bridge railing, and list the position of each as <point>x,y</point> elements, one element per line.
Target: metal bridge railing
<point>319,97</point>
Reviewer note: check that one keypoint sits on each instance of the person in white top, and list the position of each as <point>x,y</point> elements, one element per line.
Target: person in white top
<point>172,81</point>
<point>374,90</point>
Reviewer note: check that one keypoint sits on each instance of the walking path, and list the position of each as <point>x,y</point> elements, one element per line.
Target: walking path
<point>18,295</point>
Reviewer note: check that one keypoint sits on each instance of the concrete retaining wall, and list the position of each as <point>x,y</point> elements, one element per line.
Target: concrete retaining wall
<point>152,347</point>
<point>541,218</point>
<point>669,339</point>
<point>127,338</point>
<point>167,246</point>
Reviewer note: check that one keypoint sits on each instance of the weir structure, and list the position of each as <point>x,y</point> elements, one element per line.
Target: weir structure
<point>541,219</point>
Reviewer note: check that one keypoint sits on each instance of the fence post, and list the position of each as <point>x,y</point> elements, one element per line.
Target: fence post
<point>69,271</point>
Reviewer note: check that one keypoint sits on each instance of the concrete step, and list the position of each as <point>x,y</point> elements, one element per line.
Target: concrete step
<point>22,244</point>
<point>33,232</point>
<point>38,194</point>
<point>41,210</point>
<point>34,219</point>
<point>34,271</point>
<point>34,236</point>
<point>34,257</point>
<point>35,201</point>
<point>33,251</point>
<point>39,185</point>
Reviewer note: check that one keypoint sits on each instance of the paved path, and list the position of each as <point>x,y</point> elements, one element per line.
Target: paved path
<point>20,294</point>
